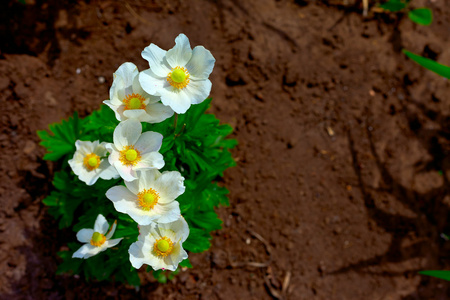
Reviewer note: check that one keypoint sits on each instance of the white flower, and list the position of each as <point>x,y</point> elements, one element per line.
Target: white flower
<point>179,76</point>
<point>134,151</point>
<point>89,162</point>
<point>150,198</point>
<point>129,101</point>
<point>95,239</point>
<point>160,245</point>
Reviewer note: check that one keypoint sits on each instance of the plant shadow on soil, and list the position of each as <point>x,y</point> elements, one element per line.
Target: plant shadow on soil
<point>432,212</point>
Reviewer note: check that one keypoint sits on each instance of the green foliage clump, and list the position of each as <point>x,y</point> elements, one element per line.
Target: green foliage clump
<point>422,16</point>
<point>198,148</point>
<point>429,64</point>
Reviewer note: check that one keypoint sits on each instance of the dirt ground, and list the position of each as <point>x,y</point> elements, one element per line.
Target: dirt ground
<point>342,185</point>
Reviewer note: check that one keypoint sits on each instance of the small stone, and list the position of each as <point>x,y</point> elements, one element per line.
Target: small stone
<point>330,131</point>
<point>29,147</point>
<point>101,79</point>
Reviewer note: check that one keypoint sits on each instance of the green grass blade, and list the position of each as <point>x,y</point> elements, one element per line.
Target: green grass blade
<point>429,64</point>
<point>421,16</point>
<point>438,274</point>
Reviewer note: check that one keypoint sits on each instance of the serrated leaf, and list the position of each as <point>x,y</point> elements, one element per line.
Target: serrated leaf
<point>438,274</point>
<point>61,138</point>
<point>186,263</point>
<point>198,241</point>
<point>208,220</point>
<point>429,64</point>
<point>101,123</point>
<point>421,16</point>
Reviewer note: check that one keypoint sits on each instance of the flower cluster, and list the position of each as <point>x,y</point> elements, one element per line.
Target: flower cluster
<point>176,79</point>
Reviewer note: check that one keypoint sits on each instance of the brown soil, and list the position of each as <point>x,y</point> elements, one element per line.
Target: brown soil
<point>342,184</point>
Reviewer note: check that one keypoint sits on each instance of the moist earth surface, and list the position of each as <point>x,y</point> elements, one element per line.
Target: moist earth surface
<point>341,189</point>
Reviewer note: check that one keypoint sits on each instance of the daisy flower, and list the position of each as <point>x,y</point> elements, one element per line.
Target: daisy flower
<point>180,75</point>
<point>89,162</point>
<point>160,245</point>
<point>132,151</point>
<point>96,240</point>
<point>150,198</point>
<point>129,101</point>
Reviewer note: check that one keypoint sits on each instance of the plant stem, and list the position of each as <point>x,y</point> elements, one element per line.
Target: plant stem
<point>175,121</point>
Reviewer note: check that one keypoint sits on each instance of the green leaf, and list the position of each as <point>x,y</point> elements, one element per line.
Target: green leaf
<point>62,207</point>
<point>438,274</point>
<point>198,240</point>
<point>393,5</point>
<point>186,263</point>
<point>208,220</point>
<point>61,138</point>
<point>101,124</point>
<point>429,64</point>
<point>69,264</point>
<point>160,276</point>
<point>421,16</point>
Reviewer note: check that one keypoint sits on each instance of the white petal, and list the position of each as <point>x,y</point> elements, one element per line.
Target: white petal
<point>149,142</point>
<point>136,256</point>
<point>111,232</point>
<point>170,185</point>
<point>181,53</point>
<point>112,243</point>
<point>100,149</point>
<point>153,99</point>
<point>133,186</point>
<point>178,101</point>
<point>178,255</point>
<point>180,227</point>
<point>84,147</point>
<point>85,235</point>
<point>198,91</point>
<point>150,82</point>
<point>145,230</point>
<point>157,263</point>
<point>147,179</point>
<point>126,172</point>
<point>118,194</point>
<point>127,133</point>
<point>142,217</point>
<point>108,171</point>
<point>126,72</point>
<point>167,212</point>
<point>157,112</point>
<point>136,114</point>
<point>92,250</point>
<point>75,164</point>
<point>201,63</point>
<point>101,225</point>
<point>156,59</point>
<point>89,177</point>
<point>137,89</point>
<point>81,253</point>
<point>151,160</point>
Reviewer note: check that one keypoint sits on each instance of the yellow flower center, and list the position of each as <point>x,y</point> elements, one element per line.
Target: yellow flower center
<point>178,78</point>
<point>91,161</point>
<point>130,156</point>
<point>163,246</point>
<point>134,101</point>
<point>97,239</point>
<point>148,198</point>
